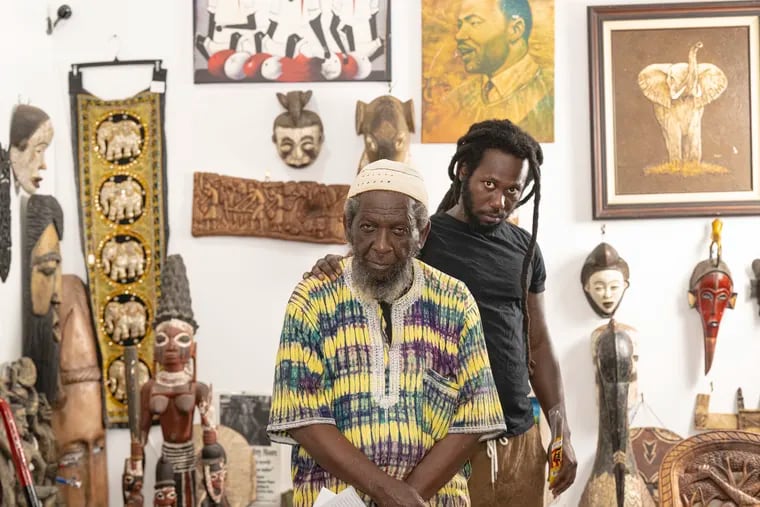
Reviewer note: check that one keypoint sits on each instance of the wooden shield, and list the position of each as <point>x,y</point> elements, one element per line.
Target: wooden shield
<point>649,448</point>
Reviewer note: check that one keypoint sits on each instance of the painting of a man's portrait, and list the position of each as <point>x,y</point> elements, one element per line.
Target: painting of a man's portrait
<point>485,59</point>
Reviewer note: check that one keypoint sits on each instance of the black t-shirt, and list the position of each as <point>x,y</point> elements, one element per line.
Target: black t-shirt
<point>490,265</point>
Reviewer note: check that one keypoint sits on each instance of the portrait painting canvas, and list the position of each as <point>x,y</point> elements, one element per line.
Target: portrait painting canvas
<point>291,40</point>
<point>674,109</point>
<point>484,59</point>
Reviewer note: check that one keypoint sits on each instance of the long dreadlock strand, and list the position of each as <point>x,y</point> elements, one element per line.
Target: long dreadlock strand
<point>505,136</point>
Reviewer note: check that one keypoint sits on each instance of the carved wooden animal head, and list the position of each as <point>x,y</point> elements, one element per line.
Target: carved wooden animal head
<point>385,123</point>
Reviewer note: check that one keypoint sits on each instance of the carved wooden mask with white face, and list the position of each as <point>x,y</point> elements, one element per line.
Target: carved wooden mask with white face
<point>606,289</point>
<point>28,157</point>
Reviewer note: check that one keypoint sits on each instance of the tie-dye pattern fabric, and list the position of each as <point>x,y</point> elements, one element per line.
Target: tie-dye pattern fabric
<point>393,402</point>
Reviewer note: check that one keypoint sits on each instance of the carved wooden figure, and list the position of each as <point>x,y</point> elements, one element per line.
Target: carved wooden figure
<point>614,479</point>
<point>78,418</point>
<point>744,419</point>
<point>711,291</point>
<point>299,211</point>
<point>5,214</point>
<point>173,395</point>
<point>386,124</point>
<point>714,468</point>
<point>298,133</point>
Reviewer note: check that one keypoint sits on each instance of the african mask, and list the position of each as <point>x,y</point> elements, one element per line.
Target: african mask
<point>165,493</point>
<point>31,134</point>
<point>42,290</point>
<point>711,292</point>
<point>78,421</point>
<point>604,277</point>
<point>214,462</point>
<point>386,124</point>
<point>297,133</point>
<point>756,281</point>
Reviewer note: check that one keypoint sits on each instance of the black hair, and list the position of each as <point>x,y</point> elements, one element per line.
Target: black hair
<point>520,8</point>
<point>505,136</point>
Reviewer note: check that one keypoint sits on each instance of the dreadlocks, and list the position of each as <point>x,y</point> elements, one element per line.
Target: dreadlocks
<point>505,136</point>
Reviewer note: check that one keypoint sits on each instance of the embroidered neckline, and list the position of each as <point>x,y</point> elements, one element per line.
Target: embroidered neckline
<point>371,308</point>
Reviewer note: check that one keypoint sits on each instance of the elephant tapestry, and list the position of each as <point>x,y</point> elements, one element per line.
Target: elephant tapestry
<point>484,59</point>
<point>674,110</point>
<point>291,40</point>
<point>120,170</point>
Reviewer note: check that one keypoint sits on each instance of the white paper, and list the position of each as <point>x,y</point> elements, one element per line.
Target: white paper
<point>346,498</point>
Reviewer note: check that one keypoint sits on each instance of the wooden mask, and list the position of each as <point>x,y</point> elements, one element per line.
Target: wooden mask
<point>42,290</point>
<point>756,281</point>
<point>78,420</point>
<point>31,134</point>
<point>604,278</point>
<point>298,133</point>
<point>711,292</point>
<point>386,124</point>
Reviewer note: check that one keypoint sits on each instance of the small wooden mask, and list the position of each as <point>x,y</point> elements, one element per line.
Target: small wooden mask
<point>298,133</point>
<point>711,292</point>
<point>31,134</point>
<point>385,123</point>
<point>604,277</point>
<point>756,281</point>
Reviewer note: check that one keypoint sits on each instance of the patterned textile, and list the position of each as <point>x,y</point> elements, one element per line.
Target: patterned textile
<point>393,402</point>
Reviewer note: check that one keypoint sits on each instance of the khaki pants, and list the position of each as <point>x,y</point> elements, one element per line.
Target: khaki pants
<point>521,474</point>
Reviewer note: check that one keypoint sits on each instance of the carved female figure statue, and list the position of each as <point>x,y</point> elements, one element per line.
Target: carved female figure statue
<point>604,277</point>
<point>173,394</point>
<point>614,479</point>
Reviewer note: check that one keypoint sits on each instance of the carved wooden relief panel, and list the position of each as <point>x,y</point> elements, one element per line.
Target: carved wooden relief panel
<point>293,210</point>
<point>714,468</point>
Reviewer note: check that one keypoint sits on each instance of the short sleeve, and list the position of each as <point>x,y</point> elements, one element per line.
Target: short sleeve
<point>538,276</point>
<point>478,406</point>
<point>299,397</point>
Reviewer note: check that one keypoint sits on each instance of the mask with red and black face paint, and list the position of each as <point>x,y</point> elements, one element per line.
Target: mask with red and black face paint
<point>711,292</point>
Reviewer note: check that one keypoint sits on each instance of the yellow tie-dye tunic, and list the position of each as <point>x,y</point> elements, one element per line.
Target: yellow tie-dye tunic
<point>392,401</point>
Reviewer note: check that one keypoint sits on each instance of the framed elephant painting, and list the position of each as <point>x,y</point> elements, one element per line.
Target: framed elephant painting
<point>674,109</point>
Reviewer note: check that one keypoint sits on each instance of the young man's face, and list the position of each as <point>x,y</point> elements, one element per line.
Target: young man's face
<point>491,192</point>
<point>482,36</point>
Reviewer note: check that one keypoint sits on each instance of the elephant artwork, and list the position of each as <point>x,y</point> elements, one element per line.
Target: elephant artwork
<point>122,260</point>
<point>386,124</point>
<point>121,200</point>
<point>116,383</point>
<point>679,93</point>
<point>125,321</point>
<point>119,139</point>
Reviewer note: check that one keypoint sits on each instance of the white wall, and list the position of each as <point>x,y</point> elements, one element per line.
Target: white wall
<point>240,285</point>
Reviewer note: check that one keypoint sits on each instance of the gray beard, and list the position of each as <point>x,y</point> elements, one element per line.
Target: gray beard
<point>388,290</point>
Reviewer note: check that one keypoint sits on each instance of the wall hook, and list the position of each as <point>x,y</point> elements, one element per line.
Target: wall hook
<point>64,12</point>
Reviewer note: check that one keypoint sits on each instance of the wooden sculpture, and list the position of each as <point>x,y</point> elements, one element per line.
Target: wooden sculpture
<point>386,124</point>
<point>78,417</point>
<point>5,214</point>
<point>299,211</point>
<point>298,133</point>
<point>711,291</point>
<point>238,479</point>
<point>604,277</point>
<point>31,134</point>
<point>713,468</point>
<point>614,479</point>
<point>649,448</point>
<point>756,281</point>
<point>744,419</point>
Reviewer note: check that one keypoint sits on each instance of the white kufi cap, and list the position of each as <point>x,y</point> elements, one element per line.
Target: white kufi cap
<point>392,176</point>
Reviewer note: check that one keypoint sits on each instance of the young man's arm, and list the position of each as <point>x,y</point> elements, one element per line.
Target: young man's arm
<point>547,384</point>
<point>341,459</point>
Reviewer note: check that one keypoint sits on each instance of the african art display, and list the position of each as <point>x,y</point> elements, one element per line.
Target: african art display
<point>173,395</point>
<point>31,133</point>
<point>713,468</point>
<point>42,291</point>
<point>78,416</point>
<point>289,41</point>
<point>298,133</point>
<point>614,478</point>
<point>711,291</point>
<point>293,210</point>
<point>744,419</point>
<point>649,448</point>
<point>120,158</point>
<point>385,124</point>
<point>32,415</point>
<point>604,277</point>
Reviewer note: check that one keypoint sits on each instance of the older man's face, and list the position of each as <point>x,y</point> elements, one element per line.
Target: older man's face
<point>482,36</point>
<point>382,237</point>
